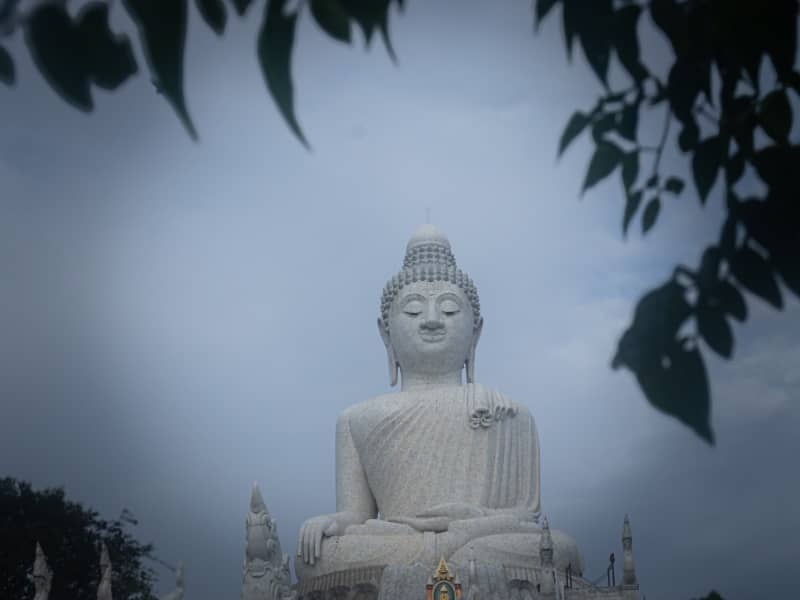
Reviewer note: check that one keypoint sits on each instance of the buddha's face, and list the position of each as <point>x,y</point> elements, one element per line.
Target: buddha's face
<point>431,328</point>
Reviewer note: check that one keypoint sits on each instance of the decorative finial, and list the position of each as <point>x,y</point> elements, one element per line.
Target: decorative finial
<point>257,504</point>
<point>628,568</point>
<point>443,572</point>
<point>266,569</point>
<point>42,575</point>
<point>177,593</point>
<point>104,588</point>
<point>626,529</point>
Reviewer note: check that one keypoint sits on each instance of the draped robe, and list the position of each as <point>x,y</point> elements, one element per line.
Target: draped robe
<point>465,444</point>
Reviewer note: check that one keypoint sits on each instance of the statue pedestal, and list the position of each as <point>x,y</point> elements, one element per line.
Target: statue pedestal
<point>481,582</point>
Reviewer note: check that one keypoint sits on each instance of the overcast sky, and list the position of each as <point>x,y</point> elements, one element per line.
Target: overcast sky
<point>180,319</point>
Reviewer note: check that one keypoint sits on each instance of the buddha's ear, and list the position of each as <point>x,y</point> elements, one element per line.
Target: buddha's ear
<point>384,331</point>
<point>470,362</point>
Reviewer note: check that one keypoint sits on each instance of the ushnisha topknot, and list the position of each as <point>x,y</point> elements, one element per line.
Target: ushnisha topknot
<point>429,258</point>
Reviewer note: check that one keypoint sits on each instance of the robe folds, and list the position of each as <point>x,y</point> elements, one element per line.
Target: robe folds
<point>466,444</point>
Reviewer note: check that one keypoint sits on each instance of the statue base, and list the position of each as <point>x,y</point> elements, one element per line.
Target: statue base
<point>480,581</point>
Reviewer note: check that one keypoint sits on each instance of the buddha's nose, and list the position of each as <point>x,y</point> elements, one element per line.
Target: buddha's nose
<point>432,321</point>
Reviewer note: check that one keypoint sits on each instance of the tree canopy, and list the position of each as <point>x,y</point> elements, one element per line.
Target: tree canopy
<point>729,92</point>
<point>70,536</point>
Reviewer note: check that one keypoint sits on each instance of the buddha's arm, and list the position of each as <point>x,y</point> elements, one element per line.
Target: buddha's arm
<point>355,503</point>
<point>354,500</point>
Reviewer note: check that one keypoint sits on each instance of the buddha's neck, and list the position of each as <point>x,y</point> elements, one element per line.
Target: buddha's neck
<point>410,382</point>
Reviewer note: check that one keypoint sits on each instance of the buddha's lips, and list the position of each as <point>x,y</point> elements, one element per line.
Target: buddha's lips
<point>433,336</point>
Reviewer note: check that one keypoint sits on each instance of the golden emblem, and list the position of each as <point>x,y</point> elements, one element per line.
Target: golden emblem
<point>443,585</point>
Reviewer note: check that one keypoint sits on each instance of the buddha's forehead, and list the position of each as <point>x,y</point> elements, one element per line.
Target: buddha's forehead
<point>431,289</point>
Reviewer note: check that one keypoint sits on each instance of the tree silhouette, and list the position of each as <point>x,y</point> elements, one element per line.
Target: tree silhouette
<point>729,91</point>
<point>70,536</point>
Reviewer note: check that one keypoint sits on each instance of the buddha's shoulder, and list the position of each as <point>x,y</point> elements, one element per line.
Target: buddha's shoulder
<point>377,404</point>
<point>472,392</point>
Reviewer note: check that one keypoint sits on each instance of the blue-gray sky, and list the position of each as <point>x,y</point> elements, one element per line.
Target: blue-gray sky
<point>182,319</point>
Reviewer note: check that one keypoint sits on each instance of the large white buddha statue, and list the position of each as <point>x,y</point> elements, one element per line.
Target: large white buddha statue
<point>442,467</point>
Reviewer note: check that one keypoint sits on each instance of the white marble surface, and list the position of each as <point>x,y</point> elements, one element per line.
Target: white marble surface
<point>440,467</point>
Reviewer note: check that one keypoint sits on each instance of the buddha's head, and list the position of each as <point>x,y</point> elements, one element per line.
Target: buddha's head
<point>430,317</point>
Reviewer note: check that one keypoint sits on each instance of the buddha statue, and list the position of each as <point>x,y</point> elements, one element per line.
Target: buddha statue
<point>442,468</point>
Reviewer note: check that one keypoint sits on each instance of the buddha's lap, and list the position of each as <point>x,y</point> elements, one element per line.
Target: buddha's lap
<point>358,550</point>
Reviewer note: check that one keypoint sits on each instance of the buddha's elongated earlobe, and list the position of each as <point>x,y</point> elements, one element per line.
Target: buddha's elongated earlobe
<point>470,362</point>
<point>393,366</point>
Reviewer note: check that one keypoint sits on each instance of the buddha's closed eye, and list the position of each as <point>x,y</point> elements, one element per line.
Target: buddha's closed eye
<point>413,308</point>
<point>450,308</point>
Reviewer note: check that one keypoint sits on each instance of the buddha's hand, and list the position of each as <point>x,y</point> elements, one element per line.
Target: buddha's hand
<point>439,517</point>
<point>309,542</point>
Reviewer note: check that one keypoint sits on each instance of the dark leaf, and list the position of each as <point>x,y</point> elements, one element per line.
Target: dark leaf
<point>708,274</point>
<point>607,122</point>
<point>632,203</point>
<point>670,373</point>
<point>59,54</point>
<point>594,34</point>
<point>7,73</point>
<point>626,42</point>
<point>576,125</point>
<point>241,6</point>
<point>678,386</point>
<point>629,122</point>
<point>706,162</point>
<point>715,330</point>
<point>777,165</point>
<point>727,236</point>
<point>734,168</point>
<point>670,17</point>
<point>782,38</point>
<point>275,41</point>
<point>543,8</point>
<point>605,159</point>
<point>332,18</point>
<point>689,136</point>
<point>369,15</point>
<point>755,274</point>
<point>674,185</point>
<point>775,115</point>
<point>658,316</point>
<point>630,169</point>
<point>214,14</point>
<point>789,269</point>
<point>109,57</point>
<point>793,81</point>
<point>731,300</point>
<point>650,214</point>
<point>652,181</point>
<point>162,29</point>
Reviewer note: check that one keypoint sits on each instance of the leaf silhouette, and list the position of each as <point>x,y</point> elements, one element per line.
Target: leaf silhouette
<point>632,203</point>
<point>7,73</point>
<point>674,185</point>
<point>754,273</point>
<point>275,41</point>
<point>605,159</point>
<point>715,330</point>
<point>214,14</point>
<point>59,54</point>
<point>577,123</point>
<point>543,7</point>
<point>162,29</point>
<point>706,162</point>
<point>109,57</point>
<point>332,18</point>
<point>241,6</point>
<point>650,214</point>
<point>775,115</point>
